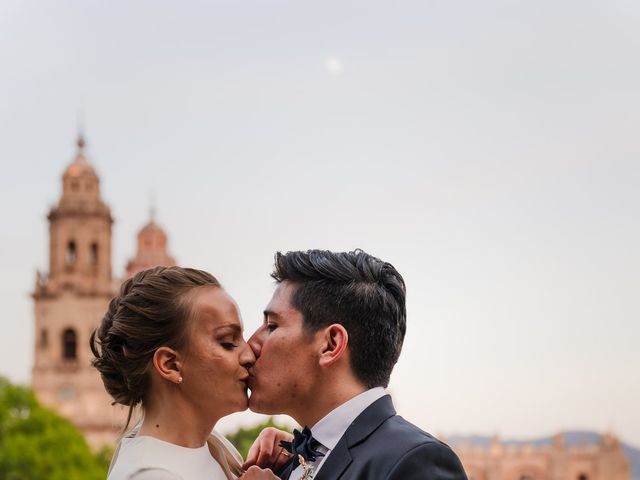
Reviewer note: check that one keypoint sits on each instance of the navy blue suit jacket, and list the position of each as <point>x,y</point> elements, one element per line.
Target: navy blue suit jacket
<point>382,445</point>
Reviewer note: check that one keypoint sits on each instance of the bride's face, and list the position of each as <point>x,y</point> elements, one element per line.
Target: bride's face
<point>216,356</point>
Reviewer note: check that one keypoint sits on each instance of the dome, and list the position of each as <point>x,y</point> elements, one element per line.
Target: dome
<point>80,183</point>
<point>152,228</point>
<point>80,167</point>
<point>152,248</point>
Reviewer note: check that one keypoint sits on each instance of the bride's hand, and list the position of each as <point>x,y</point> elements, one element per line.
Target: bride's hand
<point>266,451</point>
<point>257,473</point>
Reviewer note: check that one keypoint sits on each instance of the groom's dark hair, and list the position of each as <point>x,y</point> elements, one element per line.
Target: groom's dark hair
<point>360,292</point>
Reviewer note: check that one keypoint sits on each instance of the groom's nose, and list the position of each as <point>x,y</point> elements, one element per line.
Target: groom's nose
<point>255,342</point>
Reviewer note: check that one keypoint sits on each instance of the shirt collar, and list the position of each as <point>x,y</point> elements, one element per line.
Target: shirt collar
<point>330,428</point>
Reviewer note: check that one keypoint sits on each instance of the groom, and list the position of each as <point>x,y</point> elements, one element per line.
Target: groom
<point>331,336</point>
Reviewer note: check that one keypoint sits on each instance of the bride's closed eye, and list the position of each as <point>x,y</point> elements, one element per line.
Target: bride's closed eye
<point>229,345</point>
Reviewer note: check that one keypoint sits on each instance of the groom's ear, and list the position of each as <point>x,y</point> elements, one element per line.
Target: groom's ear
<point>334,344</point>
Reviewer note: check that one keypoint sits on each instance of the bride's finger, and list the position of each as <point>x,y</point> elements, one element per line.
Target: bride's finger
<point>256,473</point>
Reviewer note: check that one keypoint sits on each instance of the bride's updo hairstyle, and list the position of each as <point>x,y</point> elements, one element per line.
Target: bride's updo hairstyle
<point>151,310</point>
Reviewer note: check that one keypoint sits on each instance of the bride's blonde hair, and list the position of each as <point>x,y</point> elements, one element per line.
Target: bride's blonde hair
<point>226,455</point>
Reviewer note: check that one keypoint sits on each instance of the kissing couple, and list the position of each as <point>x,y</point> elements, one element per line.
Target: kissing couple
<point>172,342</point>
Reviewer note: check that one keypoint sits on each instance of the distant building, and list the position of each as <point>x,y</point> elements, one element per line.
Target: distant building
<point>603,461</point>
<point>71,298</point>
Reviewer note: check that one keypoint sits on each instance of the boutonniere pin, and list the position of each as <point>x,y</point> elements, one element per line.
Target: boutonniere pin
<point>307,470</point>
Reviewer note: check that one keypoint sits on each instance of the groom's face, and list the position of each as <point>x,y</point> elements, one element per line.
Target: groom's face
<point>282,378</point>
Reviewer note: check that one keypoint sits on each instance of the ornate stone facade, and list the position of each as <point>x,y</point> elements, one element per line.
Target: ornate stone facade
<point>558,461</point>
<point>70,300</point>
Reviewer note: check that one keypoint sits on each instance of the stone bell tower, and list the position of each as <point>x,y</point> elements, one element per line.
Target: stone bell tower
<point>70,301</point>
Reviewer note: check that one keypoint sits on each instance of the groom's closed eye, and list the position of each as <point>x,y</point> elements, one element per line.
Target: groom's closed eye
<point>269,321</point>
<point>271,327</point>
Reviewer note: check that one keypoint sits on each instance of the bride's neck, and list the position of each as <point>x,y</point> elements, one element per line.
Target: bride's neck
<point>177,422</point>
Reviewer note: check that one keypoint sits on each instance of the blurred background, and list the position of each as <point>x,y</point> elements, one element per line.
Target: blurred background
<point>489,150</point>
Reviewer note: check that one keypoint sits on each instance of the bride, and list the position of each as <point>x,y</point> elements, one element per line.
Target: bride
<point>171,342</point>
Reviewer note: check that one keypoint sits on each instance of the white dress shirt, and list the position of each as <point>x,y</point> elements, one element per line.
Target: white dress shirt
<point>330,428</point>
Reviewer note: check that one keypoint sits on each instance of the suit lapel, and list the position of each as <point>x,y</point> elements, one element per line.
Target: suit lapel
<point>364,425</point>
<point>338,460</point>
<point>285,472</point>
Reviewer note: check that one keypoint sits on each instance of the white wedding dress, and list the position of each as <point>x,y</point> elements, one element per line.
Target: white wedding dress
<point>148,458</point>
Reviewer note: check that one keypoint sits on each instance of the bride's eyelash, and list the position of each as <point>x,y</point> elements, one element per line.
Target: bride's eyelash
<point>228,345</point>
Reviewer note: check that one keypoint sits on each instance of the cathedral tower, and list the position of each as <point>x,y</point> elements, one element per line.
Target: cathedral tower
<point>70,301</point>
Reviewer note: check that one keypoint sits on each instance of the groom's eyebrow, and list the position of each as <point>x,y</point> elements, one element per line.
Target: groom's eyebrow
<point>270,313</point>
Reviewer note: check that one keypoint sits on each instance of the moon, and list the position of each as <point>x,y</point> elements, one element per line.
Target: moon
<point>333,65</point>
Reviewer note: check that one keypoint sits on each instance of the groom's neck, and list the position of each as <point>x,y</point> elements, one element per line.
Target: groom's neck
<point>327,398</point>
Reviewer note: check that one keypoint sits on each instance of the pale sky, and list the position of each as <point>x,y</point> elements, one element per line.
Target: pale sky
<point>489,150</point>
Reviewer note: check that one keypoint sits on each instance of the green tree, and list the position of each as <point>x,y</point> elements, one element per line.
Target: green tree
<point>103,456</point>
<point>243,438</point>
<point>36,443</point>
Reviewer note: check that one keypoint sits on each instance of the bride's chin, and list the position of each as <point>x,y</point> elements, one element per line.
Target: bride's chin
<point>242,408</point>
<point>244,404</point>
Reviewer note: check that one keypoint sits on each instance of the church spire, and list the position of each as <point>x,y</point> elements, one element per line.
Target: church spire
<point>81,157</point>
<point>152,208</point>
<point>80,231</point>
<point>80,138</point>
<point>80,142</point>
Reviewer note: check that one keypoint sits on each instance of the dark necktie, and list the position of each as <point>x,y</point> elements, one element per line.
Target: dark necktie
<point>303,444</point>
